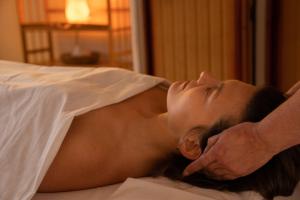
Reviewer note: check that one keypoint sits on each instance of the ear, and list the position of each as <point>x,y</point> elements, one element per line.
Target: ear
<point>189,146</point>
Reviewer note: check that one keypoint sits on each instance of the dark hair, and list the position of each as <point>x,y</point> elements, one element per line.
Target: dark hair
<point>277,177</point>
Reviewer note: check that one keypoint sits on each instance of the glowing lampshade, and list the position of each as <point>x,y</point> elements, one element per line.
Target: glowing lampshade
<point>77,11</point>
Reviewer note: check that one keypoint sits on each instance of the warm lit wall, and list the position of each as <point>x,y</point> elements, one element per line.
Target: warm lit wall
<point>196,35</point>
<point>10,38</point>
<point>288,51</point>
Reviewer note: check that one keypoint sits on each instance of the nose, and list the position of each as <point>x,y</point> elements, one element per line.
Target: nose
<point>206,78</point>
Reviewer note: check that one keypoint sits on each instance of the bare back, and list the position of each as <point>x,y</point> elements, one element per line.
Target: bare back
<point>93,152</point>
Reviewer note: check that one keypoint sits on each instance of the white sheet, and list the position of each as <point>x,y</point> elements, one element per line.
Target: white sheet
<point>154,188</point>
<point>38,105</point>
<point>163,188</point>
<point>148,188</point>
<point>99,193</point>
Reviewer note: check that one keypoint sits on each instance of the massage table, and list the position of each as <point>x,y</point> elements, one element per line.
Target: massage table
<point>30,141</point>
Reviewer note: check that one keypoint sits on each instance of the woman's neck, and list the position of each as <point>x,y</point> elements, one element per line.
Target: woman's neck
<point>148,141</point>
<point>162,137</point>
<point>153,135</point>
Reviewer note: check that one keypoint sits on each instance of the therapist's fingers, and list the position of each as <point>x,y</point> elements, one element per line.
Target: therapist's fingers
<point>198,164</point>
<point>205,159</point>
<point>215,171</point>
<point>223,177</point>
<point>228,177</point>
<point>220,176</point>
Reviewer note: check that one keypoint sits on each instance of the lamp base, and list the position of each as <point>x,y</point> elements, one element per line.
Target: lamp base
<point>82,59</point>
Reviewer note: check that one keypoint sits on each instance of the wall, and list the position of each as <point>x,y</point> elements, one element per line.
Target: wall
<point>287,57</point>
<point>260,46</point>
<point>10,38</point>
<point>197,35</point>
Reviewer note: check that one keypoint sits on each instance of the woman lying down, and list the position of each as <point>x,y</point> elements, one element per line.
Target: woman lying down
<point>158,131</point>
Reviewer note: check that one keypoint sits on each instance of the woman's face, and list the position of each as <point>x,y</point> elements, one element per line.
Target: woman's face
<point>204,101</point>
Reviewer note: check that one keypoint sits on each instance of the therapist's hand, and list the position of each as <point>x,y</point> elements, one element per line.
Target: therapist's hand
<point>237,151</point>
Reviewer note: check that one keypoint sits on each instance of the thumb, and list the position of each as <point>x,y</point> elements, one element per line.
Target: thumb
<point>194,166</point>
<point>204,160</point>
<point>197,165</point>
<point>210,143</point>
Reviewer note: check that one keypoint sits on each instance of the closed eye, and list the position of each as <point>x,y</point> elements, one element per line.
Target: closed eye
<point>210,90</point>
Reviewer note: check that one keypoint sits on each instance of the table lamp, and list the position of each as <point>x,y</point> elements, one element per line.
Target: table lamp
<point>78,12</point>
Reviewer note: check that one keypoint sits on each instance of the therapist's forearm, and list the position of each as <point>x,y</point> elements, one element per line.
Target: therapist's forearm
<point>281,129</point>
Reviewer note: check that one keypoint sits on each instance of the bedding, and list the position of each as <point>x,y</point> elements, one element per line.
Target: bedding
<point>154,188</point>
<point>136,189</point>
<point>159,188</point>
<point>99,193</point>
<point>38,105</point>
